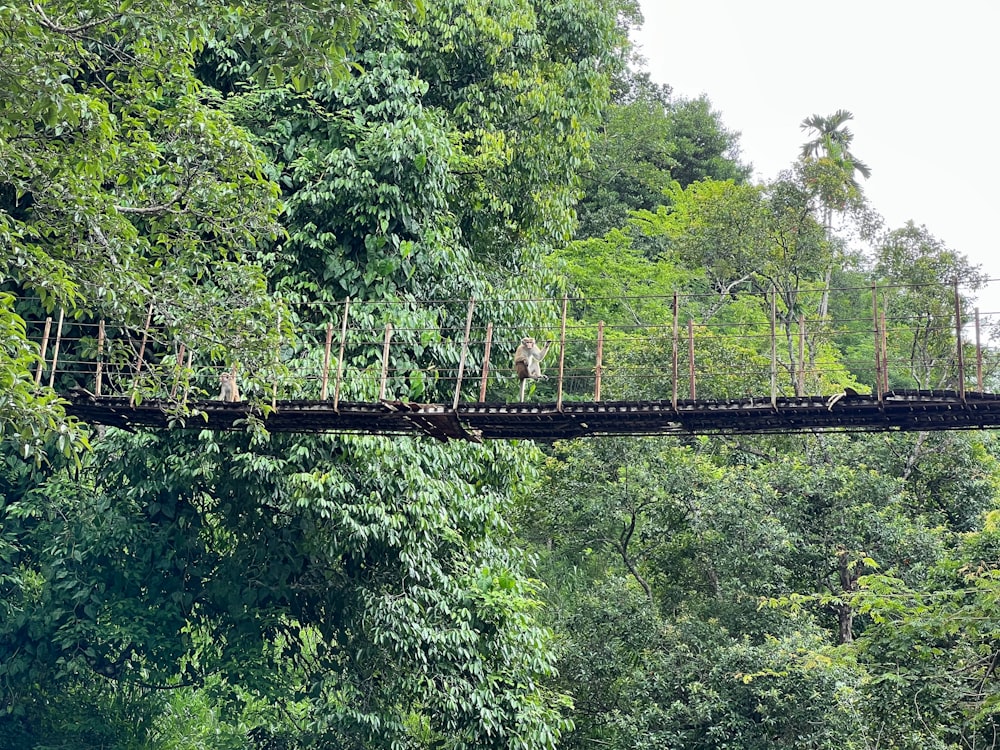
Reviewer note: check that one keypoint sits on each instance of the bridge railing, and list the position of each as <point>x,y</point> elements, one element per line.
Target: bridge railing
<point>462,351</point>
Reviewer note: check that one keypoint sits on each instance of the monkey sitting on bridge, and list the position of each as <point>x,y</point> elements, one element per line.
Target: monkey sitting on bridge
<point>527,361</point>
<point>228,388</point>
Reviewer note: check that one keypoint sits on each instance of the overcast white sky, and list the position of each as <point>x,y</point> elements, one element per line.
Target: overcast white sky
<point>919,76</point>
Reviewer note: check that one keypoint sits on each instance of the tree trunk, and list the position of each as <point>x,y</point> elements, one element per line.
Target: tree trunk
<point>824,302</point>
<point>845,624</point>
<point>628,530</point>
<point>848,585</point>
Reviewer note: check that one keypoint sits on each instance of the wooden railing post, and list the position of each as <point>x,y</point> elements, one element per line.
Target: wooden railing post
<point>979,357</point>
<point>187,382</point>
<point>800,385</point>
<point>142,353</point>
<point>958,343</point>
<point>694,393</point>
<point>340,357</point>
<point>385,361</point>
<point>774,348</point>
<point>885,353</point>
<point>326,361</point>
<point>180,366</point>
<point>277,361</point>
<point>55,348</point>
<point>878,343</point>
<point>465,353</point>
<point>562,356</point>
<point>676,346</point>
<point>44,347</point>
<point>600,361</point>
<point>486,363</point>
<point>100,358</point>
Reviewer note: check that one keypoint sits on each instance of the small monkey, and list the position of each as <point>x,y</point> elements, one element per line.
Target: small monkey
<point>527,361</point>
<point>229,390</point>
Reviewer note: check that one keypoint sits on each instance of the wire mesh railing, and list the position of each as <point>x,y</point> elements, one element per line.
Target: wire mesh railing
<point>461,351</point>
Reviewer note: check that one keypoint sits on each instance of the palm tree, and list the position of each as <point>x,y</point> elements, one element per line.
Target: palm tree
<point>832,142</point>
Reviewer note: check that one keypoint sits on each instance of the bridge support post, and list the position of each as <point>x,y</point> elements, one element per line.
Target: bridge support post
<point>600,360</point>
<point>486,363</point>
<point>55,348</point>
<point>326,361</point>
<point>562,356</point>
<point>774,348</point>
<point>958,343</point>
<point>98,375</point>
<point>465,353</point>
<point>45,346</point>
<point>673,397</point>
<point>979,357</point>
<point>142,353</point>
<point>340,357</point>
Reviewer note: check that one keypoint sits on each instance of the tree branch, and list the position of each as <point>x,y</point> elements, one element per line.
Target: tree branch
<point>628,530</point>
<point>160,207</point>
<point>147,210</point>
<point>915,455</point>
<point>51,25</point>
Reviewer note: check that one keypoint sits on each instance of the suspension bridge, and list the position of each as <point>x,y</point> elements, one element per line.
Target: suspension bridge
<point>445,370</point>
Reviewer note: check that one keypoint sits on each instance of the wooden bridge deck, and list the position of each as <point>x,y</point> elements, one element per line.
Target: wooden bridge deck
<point>895,410</point>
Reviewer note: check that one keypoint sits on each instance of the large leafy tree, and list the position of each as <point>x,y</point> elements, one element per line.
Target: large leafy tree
<point>648,140</point>
<point>631,159</point>
<point>125,188</point>
<point>761,241</point>
<point>357,591</point>
<point>660,554</point>
<point>120,173</point>
<point>726,592</point>
<point>357,584</point>
<point>702,146</point>
<point>934,647</point>
<point>913,269</point>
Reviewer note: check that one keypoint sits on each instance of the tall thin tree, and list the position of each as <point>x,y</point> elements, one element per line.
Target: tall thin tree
<point>832,142</point>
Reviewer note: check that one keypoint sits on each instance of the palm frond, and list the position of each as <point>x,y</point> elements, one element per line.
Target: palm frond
<point>838,118</point>
<point>833,140</point>
<point>860,167</point>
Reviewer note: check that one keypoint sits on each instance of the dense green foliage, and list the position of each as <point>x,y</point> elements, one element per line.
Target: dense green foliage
<point>302,591</point>
<point>236,172</point>
<point>800,591</point>
<point>646,141</point>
